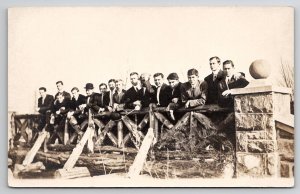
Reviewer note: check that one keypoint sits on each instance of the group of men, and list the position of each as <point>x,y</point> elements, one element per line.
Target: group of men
<point>214,89</point>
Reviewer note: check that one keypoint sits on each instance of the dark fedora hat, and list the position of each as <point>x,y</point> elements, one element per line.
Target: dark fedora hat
<point>89,86</point>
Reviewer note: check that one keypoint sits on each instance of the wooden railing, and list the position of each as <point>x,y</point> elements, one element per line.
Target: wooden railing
<point>128,126</point>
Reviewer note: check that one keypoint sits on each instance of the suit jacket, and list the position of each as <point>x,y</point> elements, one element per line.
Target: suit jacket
<point>46,105</point>
<point>119,97</point>
<point>232,83</point>
<point>147,95</point>
<point>75,103</point>
<point>93,102</point>
<point>212,87</point>
<point>165,95</point>
<point>196,97</point>
<point>65,94</point>
<point>212,93</point>
<point>130,96</point>
<point>63,106</point>
<point>176,93</point>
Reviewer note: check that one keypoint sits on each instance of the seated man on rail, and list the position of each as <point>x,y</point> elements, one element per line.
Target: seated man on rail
<point>227,83</point>
<point>147,92</point>
<point>60,109</point>
<point>193,92</point>
<point>162,91</point>
<point>118,96</point>
<point>76,114</point>
<point>131,96</point>
<point>175,94</point>
<point>45,103</point>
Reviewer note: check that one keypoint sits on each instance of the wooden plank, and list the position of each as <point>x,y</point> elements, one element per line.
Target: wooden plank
<point>120,134</point>
<point>193,132</point>
<point>132,128</point>
<point>208,127</point>
<point>99,123</point>
<point>140,158</point>
<point>127,138</point>
<point>78,149</point>
<point>163,120</point>
<point>35,148</point>
<point>143,123</point>
<point>106,129</point>
<point>113,138</point>
<point>66,132</point>
<point>183,121</point>
<point>77,172</point>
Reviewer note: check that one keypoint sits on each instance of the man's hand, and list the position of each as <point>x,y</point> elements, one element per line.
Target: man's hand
<point>137,102</point>
<point>137,107</point>
<point>226,93</point>
<point>57,112</point>
<point>237,75</point>
<point>37,109</point>
<point>82,106</point>
<point>110,109</point>
<point>69,114</point>
<point>101,110</point>
<point>187,104</point>
<point>175,100</point>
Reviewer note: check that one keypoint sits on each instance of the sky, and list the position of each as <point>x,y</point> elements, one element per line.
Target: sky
<point>94,44</point>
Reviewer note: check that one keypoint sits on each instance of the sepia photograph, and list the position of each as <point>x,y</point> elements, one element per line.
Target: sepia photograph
<point>192,96</point>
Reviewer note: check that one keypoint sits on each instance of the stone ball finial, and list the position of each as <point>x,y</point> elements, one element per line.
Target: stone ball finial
<point>260,69</point>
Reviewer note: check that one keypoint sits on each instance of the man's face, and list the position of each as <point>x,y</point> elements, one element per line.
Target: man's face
<point>134,79</point>
<point>143,80</point>
<point>111,85</point>
<point>228,69</point>
<point>42,93</point>
<point>60,98</point>
<point>119,86</point>
<point>173,82</point>
<point>158,80</point>
<point>75,93</point>
<point>214,65</point>
<point>102,89</point>
<point>59,87</point>
<point>193,79</point>
<point>89,92</point>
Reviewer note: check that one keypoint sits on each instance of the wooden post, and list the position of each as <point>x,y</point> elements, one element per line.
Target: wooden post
<point>90,143</point>
<point>120,134</point>
<point>143,122</point>
<point>106,129</point>
<point>140,158</point>
<point>79,147</point>
<point>163,120</point>
<point>38,143</point>
<point>153,124</point>
<point>66,132</point>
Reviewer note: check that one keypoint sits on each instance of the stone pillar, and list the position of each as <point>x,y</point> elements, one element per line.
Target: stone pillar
<point>256,140</point>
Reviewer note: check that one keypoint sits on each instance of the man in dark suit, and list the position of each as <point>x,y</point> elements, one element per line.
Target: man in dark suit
<point>111,91</point>
<point>94,100</point>
<point>60,109</point>
<point>45,103</point>
<point>193,92</point>
<point>147,92</point>
<point>104,99</point>
<point>118,96</point>
<point>75,115</point>
<point>162,91</point>
<point>131,96</point>
<point>214,78</point>
<point>175,94</point>
<point>60,90</point>
<point>227,83</point>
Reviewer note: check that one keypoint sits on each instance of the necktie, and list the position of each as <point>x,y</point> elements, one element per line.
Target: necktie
<point>214,77</point>
<point>193,93</point>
